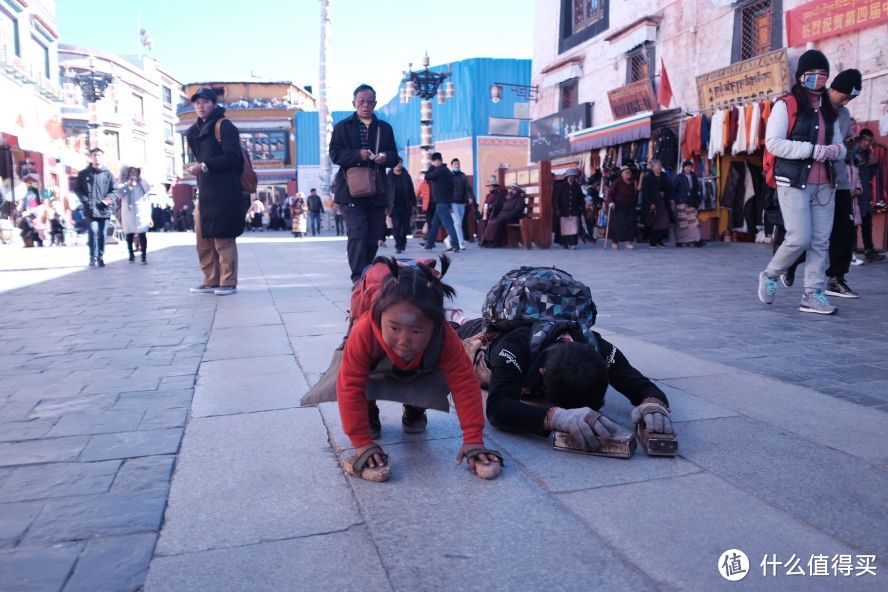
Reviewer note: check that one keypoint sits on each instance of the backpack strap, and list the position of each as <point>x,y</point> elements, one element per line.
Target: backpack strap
<point>218,129</point>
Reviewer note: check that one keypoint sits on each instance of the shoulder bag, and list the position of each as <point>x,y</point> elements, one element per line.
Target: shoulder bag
<point>361,180</point>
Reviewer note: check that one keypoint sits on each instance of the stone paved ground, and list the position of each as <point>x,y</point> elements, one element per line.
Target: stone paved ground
<point>149,437</point>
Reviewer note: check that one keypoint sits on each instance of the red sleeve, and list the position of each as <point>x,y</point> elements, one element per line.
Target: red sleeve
<point>351,383</point>
<point>463,383</point>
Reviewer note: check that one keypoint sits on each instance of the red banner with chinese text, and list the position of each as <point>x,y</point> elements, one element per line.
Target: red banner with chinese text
<point>828,18</point>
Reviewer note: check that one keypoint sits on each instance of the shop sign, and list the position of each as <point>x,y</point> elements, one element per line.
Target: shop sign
<point>758,77</point>
<point>633,98</point>
<point>548,135</point>
<point>829,18</point>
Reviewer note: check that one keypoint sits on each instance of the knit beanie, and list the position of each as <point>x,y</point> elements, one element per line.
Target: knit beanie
<point>848,82</point>
<point>812,60</point>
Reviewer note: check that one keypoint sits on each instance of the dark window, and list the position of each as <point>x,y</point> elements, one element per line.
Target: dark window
<point>47,71</point>
<point>569,93</point>
<point>581,20</point>
<point>167,96</point>
<point>640,63</point>
<point>757,28</point>
<point>9,36</point>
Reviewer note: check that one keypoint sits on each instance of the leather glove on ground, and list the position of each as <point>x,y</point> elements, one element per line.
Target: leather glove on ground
<point>584,425</point>
<point>656,418</point>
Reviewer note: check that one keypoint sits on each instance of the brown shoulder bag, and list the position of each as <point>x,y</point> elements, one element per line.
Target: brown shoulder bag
<point>361,180</point>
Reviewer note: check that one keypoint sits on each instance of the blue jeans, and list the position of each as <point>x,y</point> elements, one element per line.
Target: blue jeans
<point>96,235</point>
<point>314,222</point>
<point>808,218</point>
<point>458,213</point>
<point>443,216</point>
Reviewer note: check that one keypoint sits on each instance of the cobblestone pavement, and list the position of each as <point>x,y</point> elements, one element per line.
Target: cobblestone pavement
<point>150,437</point>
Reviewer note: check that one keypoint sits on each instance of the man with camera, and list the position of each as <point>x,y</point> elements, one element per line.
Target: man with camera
<point>362,145</point>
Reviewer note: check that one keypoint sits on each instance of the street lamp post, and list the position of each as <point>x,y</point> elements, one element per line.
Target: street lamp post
<point>426,84</point>
<point>93,86</point>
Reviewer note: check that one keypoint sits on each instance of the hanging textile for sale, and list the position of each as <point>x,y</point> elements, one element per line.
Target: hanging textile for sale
<point>740,139</point>
<point>766,115</point>
<point>755,122</point>
<point>705,123</point>
<point>709,190</point>
<point>690,139</point>
<point>716,137</point>
<point>727,139</point>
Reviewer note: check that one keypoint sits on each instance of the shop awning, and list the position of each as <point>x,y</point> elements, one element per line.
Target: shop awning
<point>617,132</point>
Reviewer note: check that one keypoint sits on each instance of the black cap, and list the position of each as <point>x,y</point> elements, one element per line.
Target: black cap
<point>205,93</point>
<point>812,60</point>
<point>848,82</point>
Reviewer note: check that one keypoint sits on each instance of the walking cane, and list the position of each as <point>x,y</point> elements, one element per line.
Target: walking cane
<point>608,225</point>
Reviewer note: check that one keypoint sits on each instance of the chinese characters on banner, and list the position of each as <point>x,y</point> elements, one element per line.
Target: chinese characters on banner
<point>828,18</point>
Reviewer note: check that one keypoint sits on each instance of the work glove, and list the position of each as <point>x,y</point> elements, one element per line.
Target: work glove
<point>584,425</point>
<point>656,418</point>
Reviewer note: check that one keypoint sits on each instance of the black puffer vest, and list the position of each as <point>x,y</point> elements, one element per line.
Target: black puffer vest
<point>796,172</point>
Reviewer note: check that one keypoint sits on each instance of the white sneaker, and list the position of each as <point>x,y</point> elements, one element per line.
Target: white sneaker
<point>225,290</point>
<point>856,261</point>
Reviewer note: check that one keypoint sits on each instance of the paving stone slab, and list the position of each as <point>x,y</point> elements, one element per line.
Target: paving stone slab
<point>34,482</point>
<point>245,385</point>
<point>148,472</point>
<point>297,564</point>
<point>41,451</point>
<point>38,569</point>
<point>13,431</point>
<point>453,519</point>
<point>52,408</point>
<point>132,444</point>
<point>310,324</point>
<point>700,517</point>
<point>241,342</point>
<point>242,479</point>
<point>97,423</point>
<point>15,518</point>
<point>153,400</point>
<point>839,494</point>
<point>156,419</point>
<point>812,415</point>
<point>82,517</point>
<point>113,563</point>
<point>317,357</point>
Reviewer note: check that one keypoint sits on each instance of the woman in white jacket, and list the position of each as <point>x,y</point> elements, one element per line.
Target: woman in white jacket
<point>803,170</point>
<point>135,210</point>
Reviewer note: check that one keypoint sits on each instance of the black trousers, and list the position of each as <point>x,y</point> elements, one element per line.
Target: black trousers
<point>842,238</point>
<point>364,230</point>
<point>866,231</point>
<point>143,241</point>
<point>401,223</point>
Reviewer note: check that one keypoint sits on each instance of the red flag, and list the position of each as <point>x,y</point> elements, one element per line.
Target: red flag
<point>664,96</point>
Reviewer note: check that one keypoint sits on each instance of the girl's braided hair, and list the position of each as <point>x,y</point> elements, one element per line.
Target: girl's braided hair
<point>417,284</point>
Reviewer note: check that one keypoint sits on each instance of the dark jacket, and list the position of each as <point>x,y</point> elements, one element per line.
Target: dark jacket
<point>684,192</point>
<point>220,196</point>
<point>345,151</point>
<point>315,206</point>
<point>622,194</point>
<point>651,187</point>
<point>513,369</point>
<point>401,196</point>
<point>462,191</point>
<point>94,186</point>
<point>793,162</point>
<point>441,182</point>
<point>568,200</point>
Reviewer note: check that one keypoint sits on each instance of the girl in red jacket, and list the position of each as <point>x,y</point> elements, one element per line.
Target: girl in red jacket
<point>403,349</point>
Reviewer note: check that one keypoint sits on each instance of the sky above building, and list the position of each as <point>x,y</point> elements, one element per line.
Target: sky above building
<point>373,41</point>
